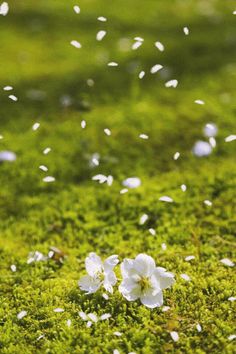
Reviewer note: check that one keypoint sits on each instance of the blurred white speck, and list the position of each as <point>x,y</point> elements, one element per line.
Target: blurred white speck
<point>4,9</point>
<point>174,335</point>
<point>199,327</point>
<point>116,351</point>
<point>189,258</point>
<point>186,31</point>
<point>107,131</point>
<point>13,98</point>
<point>43,168</point>
<point>100,35</point>
<point>7,88</point>
<point>155,68</point>
<point>202,148</point>
<point>176,155</point>
<point>132,182</point>
<point>230,138</point>
<point>112,63</point>
<point>140,39</point>
<point>171,83</point>
<point>200,102</point>
<point>83,316</point>
<point>102,19</point>
<point>105,296</point>
<point>47,150</point>
<point>232,298</point>
<point>227,262</point>
<point>105,316</point>
<point>68,322</point>
<point>165,308</point>
<point>143,219</point>
<point>210,130</point>
<point>163,246</point>
<point>21,315</point>
<point>159,46</point>
<point>118,334</point>
<point>7,156</point>
<point>76,9</point>
<point>185,277</point>
<point>123,191</point>
<point>90,82</point>
<point>143,136</point>
<point>58,310</point>
<point>234,12</point>
<point>232,336</point>
<point>89,324</point>
<point>1,137</point>
<point>141,74</point>
<point>212,142</point>
<point>93,317</point>
<point>207,202</point>
<point>35,126</point>
<point>152,231</point>
<point>109,180</point>
<point>83,124</point>
<point>183,187</point>
<point>165,198</point>
<point>49,179</point>
<point>75,44</point>
<point>136,45</point>
<point>13,268</point>
<point>40,337</point>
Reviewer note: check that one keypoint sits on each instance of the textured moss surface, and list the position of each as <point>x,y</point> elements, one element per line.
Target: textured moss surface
<point>76,214</point>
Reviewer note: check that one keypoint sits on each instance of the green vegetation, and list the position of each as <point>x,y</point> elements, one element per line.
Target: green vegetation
<point>78,215</point>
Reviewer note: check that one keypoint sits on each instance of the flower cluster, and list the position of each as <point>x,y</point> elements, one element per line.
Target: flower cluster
<point>141,278</point>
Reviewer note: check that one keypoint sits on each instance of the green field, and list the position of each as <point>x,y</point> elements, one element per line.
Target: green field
<point>79,215</point>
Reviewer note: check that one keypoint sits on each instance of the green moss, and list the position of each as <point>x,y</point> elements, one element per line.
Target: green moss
<point>78,215</point>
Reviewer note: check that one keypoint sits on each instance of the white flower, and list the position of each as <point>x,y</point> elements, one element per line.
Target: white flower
<point>143,280</point>
<point>99,273</point>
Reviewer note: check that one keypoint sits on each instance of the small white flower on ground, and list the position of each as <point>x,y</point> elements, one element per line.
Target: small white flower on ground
<point>227,262</point>
<point>132,182</point>
<point>202,148</point>
<point>175,336</point>
<point>143,280</point>
<point>210,130</point>
<point>99,273</point>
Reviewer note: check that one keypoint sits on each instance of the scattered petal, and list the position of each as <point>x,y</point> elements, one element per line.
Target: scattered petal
<point>7,88</point>
<point>186,31</point>
<point>183,187</point>
<point>199,102</point>
<point>105,316</point>
<point>159,46</point>
<point>141,74</point>
<point>21,314</point>
<point>13,98</point>
<point>232,337</point>
<point>76,44</point>
<point>47,150</point>
<point>112,63</point>
<point>35,126</point>
<point>43,168</point>
<point>167,199</point>
<point>136,45</point>
<point>227,262</point>
<point>132,182</point>
<point>171,83</point>
<point>100,35</point>
<point>199,327</point>
<point>202,148</point>
<point>174,336</point>
<point>155,68</point>
<point>107,131</point>
<point>4,9</point>
<point>189,258</point>
<point>176,155</point>
<point>76,9</point>
<point>210,130</point>
<point>102,19</point>
<point>58,310</point>
<point>143,219</point>
<point>83,124</point>
<point>230,138</point>
<point>13,268</point>
<point>207,202</point>
<point>49,179</point>
<point>185,277</point>
<point>7,156</point>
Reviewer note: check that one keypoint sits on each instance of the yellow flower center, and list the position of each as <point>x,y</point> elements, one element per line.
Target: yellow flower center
<point>144,283</point>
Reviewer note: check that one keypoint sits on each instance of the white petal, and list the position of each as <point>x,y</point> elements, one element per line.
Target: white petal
<point>109,281</point>
<point>127,267</point>
<point>165,279</point>
<point>144,265</point>
<point>110,263</point>
<point>130,291</point>
<point>89,284</point>
<point>93,264</point>
<point>152,301</point>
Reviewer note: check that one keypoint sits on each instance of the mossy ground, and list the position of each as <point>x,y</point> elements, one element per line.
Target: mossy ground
<point>78,215</point>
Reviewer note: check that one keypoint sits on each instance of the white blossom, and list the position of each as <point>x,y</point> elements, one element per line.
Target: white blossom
<point>143,280</point>
<point>99,273</point>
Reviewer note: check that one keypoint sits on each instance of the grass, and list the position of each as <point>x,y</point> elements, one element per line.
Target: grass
<point>76,214</point>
